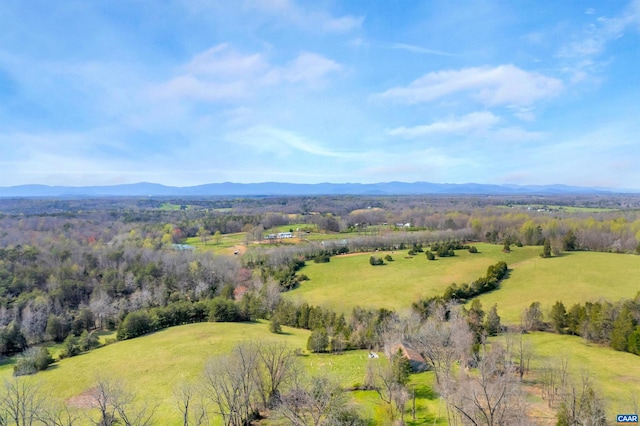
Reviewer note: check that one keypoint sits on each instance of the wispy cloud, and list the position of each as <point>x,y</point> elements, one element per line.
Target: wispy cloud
<point>223,74</point>
<point>505,85</point>
<point>283,143</point>
<point>418,49</point>
<point>474,122</point>
<point>583,50</point>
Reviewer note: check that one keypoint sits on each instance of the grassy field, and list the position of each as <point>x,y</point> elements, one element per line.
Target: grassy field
<point>616,375</point>
<point>156,364</point>
<point>572,278</point>
<point>227,245</point>
<point>350,280</point>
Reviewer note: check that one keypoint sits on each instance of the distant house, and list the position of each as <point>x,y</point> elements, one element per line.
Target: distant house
<point>416,360</point>
<point>270,237</point>
<point>285,234</point>
<point>182,247</point>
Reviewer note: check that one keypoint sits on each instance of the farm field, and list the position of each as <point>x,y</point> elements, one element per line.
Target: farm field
<point>572,277</point>
<point>154,365</point>
<point>228,243</point>
<point>616,375</point>
<point>349,280</point>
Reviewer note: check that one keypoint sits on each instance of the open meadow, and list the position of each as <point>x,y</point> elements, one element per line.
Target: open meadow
<point>153,366</point>
<point>615,375</point>
<point>349,280</point>
<point>573,277</point>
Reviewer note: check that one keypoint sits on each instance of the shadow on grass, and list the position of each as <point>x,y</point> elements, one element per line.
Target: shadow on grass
<point>425,392</point>
<point>7,361</point>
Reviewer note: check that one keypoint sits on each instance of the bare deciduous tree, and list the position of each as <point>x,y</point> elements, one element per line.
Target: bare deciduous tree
<point>277,365</point>
<point>116,405</point>
<point>21,402</point>
<point>491,396</point>
<point>189,403</point>
<point>384,381</point>
<point>443,343</point>
<point>320,403</point>
<point>581,405</point>
<point>229,384</point>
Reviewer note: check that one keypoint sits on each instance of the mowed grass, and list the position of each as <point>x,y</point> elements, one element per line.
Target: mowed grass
<point>349,280</point>
<point>153,366</point>
<point>616,375</point>
<point>226,246</point>
<point>574,277</point>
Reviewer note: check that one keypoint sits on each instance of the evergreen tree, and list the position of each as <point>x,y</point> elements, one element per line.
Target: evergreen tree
<point>401,367</point>
<point>558,317</point>
<point>546,249</point>
<point>492,322</point>
<point>475,318</point>
<point>623,326</point>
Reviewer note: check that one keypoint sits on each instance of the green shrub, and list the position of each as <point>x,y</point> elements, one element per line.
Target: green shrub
<point>375,261</point>
<point>32,361</point>
<point>135,324</point>
<point>223,310</point>
<point>275,326</point>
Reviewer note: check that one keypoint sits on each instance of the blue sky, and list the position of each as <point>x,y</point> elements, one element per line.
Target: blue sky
<point>186,92</point>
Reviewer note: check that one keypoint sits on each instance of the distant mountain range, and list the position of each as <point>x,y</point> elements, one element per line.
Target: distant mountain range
<point>275,188</point>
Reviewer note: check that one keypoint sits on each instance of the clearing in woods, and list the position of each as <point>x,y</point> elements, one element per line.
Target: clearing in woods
<point>349,280</point>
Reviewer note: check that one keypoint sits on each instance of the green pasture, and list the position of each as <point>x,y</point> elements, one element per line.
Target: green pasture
<point>574,277</point>
<point>349,280</point>
<point>156,364</point>
<point>153,366</point>
<point>616,375</point>
<point>228,242</point>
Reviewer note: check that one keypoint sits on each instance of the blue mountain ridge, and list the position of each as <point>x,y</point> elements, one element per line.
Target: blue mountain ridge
<point>143,189</point>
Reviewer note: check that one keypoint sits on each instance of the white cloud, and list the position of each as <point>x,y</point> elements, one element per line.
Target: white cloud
<point>343,24</point>
<point>283,142</point>
<point>309,68</point>
<point>192,87</point>
<point>418,49</point>
<point>223,61</point>
<point>470,123</point>
<point>492,86</point>
<point>223,74</point>
<point>583,50</point>
<point>515,134</point>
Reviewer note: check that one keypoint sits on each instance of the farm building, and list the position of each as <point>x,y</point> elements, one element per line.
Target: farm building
<point>416,360</point>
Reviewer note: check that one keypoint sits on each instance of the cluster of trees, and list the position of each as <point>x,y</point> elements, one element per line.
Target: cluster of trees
<point>23,401</point>
<point>58,288</point>
<point>332,332</point>
<point>218,309</point>
<point>454,292</point>
<point>260,378</point>
<point>614,324</point>
<point>446,249</point>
